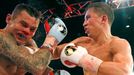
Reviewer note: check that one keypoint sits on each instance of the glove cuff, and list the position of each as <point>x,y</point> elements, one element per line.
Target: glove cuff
<point>90,62</point>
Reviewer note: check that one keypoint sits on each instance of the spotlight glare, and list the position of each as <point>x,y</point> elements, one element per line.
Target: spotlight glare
<point>127,26</point>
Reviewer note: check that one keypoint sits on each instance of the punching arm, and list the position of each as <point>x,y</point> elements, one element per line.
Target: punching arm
<point>34,63</point>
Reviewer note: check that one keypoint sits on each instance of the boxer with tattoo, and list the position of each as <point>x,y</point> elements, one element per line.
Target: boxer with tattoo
<point>18,51</point>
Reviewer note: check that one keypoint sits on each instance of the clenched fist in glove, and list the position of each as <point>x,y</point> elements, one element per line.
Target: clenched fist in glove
<point>56,32</point>
<point>73,55</point>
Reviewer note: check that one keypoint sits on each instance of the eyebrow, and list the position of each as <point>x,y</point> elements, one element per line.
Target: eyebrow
<point>25,23</point>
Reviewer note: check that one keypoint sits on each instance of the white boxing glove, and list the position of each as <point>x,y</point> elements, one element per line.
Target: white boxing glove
<point>71,55</point>
<point>57,29</point>
<point>79,56</point>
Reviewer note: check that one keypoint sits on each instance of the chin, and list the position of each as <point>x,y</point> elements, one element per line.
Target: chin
<point>88,35</point>
<point>20,42</point>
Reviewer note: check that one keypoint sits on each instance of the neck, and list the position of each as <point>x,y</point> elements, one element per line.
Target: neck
<point>103,37</point>
<point>6,28</point>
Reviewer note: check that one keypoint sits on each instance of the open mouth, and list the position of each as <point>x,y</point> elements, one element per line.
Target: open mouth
<point>85,29</point>
<point>21,36</point>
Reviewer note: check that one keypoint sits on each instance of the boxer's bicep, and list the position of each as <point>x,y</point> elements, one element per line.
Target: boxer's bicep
<point>31,62</point>
<point>123,54</point>
<point>121,63</point>
<point>122,59</point>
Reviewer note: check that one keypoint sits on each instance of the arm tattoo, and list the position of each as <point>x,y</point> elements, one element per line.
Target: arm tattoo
<point>19,54</point>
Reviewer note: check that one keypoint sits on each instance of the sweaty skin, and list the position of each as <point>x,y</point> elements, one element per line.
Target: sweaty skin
<point>114,51</point>
<point>16,58</point>
<point>119,60</point>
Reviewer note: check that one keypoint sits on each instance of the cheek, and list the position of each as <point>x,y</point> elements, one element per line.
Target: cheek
<point>17,29</point>
<point>91,22</point>
<point>15,26</point>
<point>94,22</point>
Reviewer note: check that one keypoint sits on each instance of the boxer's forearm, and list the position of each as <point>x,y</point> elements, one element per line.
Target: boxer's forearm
<point>104,68</point>
<point>37,61</point>
<point>21,56</point>
<point>31,62</point>
<point>113,68</point>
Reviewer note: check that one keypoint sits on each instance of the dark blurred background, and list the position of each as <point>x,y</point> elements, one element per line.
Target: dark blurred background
<point>72,13</point>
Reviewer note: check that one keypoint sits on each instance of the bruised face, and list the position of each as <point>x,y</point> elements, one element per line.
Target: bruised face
<point>92,22</point>
<point>23,27</point>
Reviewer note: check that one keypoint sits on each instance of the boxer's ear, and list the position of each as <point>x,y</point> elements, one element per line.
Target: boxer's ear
<point>8,19</point>
<point>104,19</point>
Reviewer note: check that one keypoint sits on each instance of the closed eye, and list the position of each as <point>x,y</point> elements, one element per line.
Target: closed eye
<point>32,29</point>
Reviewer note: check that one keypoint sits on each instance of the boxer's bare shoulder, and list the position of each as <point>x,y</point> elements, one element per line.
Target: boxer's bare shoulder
<point>118,43</point>
<point>83,39</point>
<point>6,65</point>
<point>1,33</point>
<point>121,51</point>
